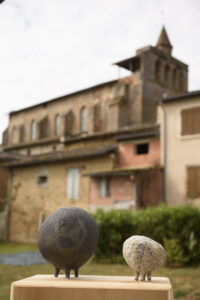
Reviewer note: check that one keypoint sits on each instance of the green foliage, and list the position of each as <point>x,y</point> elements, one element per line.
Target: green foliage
<point>177,228</point>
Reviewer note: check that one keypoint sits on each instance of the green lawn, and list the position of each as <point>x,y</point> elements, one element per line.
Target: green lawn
<point>185,281</point>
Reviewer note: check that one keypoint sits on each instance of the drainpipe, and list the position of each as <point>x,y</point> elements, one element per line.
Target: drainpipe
<point>164,151</point>
<point>9,193</point>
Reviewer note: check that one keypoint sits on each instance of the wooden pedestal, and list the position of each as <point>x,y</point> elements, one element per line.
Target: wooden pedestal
<point>47,287</point>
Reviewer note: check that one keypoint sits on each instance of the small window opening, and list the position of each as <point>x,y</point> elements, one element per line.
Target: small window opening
<point>43,179</point>
<point>103,187</point>
<point>142,148</point>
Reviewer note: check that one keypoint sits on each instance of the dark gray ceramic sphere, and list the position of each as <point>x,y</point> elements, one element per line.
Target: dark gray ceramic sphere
<point>67,238</point>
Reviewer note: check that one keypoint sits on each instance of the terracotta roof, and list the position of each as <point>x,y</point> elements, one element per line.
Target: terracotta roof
<point>64,155</point>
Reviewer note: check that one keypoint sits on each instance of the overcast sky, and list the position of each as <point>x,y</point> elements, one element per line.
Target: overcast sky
<point>50,48</point>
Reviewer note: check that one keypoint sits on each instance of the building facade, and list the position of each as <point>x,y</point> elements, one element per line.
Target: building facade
<point>95,148</point>
<point>180,143</point>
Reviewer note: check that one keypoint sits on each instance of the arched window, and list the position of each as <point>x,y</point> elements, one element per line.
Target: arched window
<point>166,73</point>
<point>158,67</point>
<point>174,78</point>
<point>33,130</point>
<point>106,111</point>
<point>83,119</point>
<point>181,82</point>
<point>57,125</point>
<point>14,135</point>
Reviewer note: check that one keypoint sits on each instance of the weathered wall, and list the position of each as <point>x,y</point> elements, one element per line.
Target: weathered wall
<point>141,190</point>
<point>29,201</point>
<point>120,188</point>
<point>128,158</point>
<point>156,87</point>
<point>182,151</point>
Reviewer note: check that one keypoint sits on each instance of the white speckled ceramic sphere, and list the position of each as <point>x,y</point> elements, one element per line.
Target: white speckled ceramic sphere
<point>143,255</point>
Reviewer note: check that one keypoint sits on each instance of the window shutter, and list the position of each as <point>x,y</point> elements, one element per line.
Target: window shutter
<point>5,137</point>
<point>193,182</point>
<point>190,121</point>
<point>76,183</point>
<point>44,128</point>
<point>73,183</point>
<point>83,119</point>
<point>69,122</point>
<point>97,123</point>
<point>70,184</point>
<point>21,134</point>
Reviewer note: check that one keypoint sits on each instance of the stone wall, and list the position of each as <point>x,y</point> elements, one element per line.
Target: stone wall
<point>29,201</point>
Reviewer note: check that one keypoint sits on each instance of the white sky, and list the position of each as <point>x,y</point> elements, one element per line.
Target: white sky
<point>50,48</point>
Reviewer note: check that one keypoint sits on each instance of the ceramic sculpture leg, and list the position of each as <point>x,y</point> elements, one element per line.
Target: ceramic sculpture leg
<point>76,272</point>
<point>56,273</point>
<point>67,273</point>
<point>149,276</point>
<point>143,277</point>
<point>137,275</point>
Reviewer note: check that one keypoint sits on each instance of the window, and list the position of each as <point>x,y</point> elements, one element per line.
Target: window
<point>73,183</point>
<point>166,73</point>
<point>43,128</point>
<point>174,78</point>
<point>158,68</point>
<point>190,121</point>
<point>103,187</point>
<point>193,182</point>
<point>42,180</point>
<point>69,121</point>
<point>181,82</point>
<point>57,125</point>
<point>142,148</point>
<point>97,121</point>
<point>83,119</point>
<point>21,133</point>
<point>33,130</point>
<point>106,111</point>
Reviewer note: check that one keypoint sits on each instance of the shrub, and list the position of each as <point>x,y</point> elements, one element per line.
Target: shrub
<point>176,228</point>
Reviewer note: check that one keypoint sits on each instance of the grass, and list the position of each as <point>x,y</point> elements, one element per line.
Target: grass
<point>185,281</point>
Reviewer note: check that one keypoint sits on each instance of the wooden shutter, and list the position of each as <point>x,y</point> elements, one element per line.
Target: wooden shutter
<point>193,182</point>
<point>5,137</point>
<point>190,121</point>
<point>44,128</point>
<point>69,122</point>
<point>73,183</point>
<point>21,134</point>
<point>97,122</point>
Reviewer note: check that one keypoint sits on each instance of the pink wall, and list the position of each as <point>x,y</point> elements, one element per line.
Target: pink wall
<point>121,188</point>
<point>128,158</point>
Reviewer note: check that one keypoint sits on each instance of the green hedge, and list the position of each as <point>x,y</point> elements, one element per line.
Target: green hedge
<point>176,228</point>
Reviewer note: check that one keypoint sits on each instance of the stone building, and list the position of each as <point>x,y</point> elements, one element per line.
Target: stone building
<point>179,117</point>
<point>97,147</point>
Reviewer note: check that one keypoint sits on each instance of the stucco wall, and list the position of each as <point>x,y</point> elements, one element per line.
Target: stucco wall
<point>181,151</point>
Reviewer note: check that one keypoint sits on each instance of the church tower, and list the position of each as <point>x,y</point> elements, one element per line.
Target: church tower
<point>155,74</point>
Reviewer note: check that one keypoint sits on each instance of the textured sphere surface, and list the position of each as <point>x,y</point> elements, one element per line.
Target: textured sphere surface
<point>68,237</point>
<point>143,254</point>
